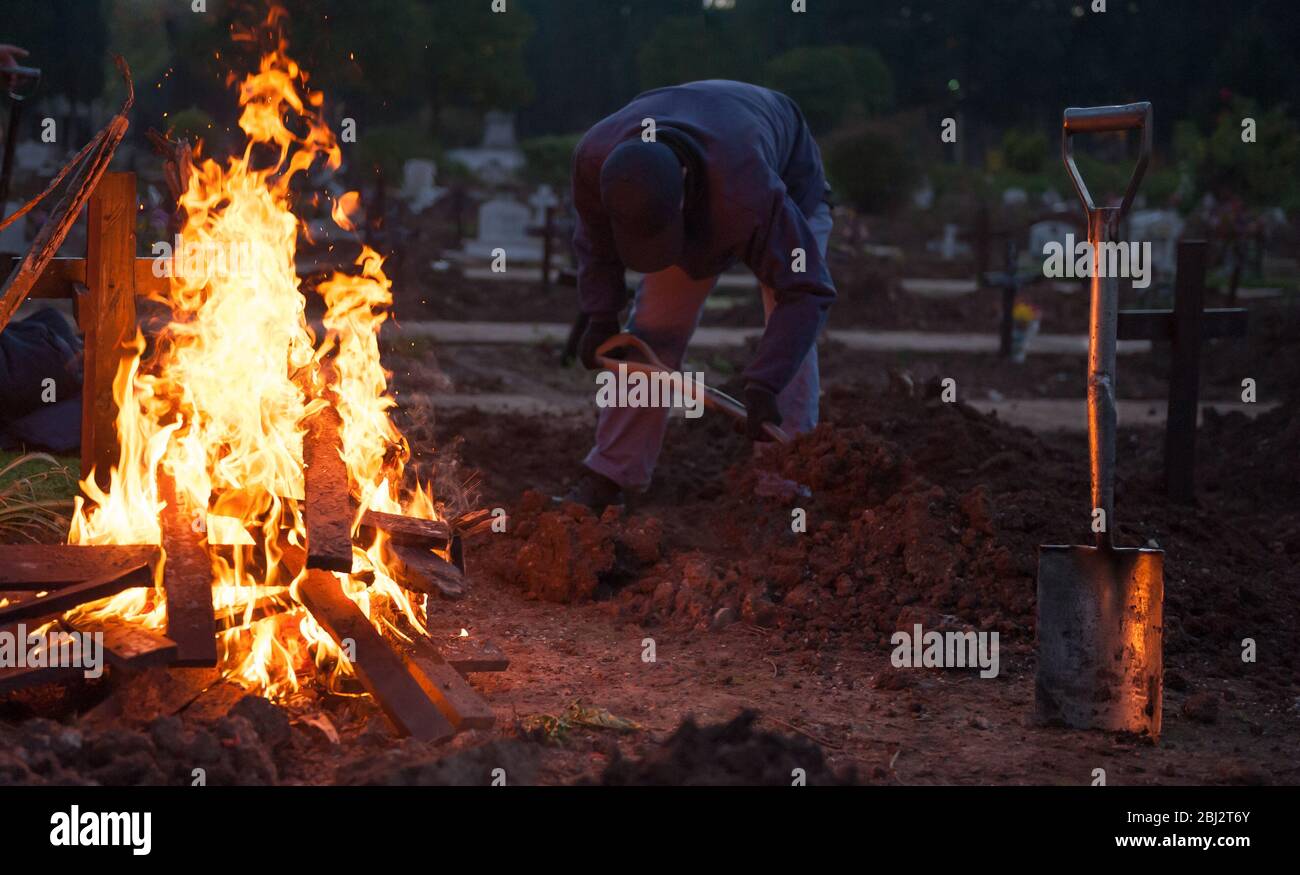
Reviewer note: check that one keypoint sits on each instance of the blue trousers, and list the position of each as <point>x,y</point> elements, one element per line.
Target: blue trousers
<point>665,313</point>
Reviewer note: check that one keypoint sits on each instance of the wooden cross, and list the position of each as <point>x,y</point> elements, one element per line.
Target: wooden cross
<point>1185,326</point>
<point>1010,283</point>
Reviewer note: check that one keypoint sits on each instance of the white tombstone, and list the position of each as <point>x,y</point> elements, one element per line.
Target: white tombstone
<point>1051,231</point>
<point>418,190</point>
<point>1015,197</point>
<point>1161,228</point>
<point>1053,201</point>
<point>498,130</point>
<point>542,200</point>
<point>948,246</point>
<point>923,197</point>
<point>503,224</point>
<point>499,157</point>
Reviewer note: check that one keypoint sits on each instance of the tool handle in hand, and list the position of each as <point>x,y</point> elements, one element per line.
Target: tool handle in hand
<point>650,363</point>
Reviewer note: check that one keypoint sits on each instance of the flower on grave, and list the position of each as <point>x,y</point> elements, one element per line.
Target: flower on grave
<point>1024,313</point>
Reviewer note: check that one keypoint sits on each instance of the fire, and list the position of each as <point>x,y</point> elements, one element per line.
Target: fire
<point>219,398</point>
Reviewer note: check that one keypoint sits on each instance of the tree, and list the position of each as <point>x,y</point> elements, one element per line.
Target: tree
<point>820,80</point>
<point>475,57</point>
<point>826,81</point>
<point>687,48</point>
<point>871,169</point>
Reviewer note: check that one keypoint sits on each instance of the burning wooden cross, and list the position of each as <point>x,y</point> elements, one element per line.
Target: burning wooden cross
<point>1186,326</point>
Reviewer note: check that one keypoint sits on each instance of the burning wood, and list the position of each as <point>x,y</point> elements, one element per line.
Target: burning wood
<point>44,566</point>
<point>274,447</point>
<point>187,581</point>
<point>326,513</point>
<point>47,603</point>
<point>384,674</point>
<point>429,534</point>
<point>426,572</point>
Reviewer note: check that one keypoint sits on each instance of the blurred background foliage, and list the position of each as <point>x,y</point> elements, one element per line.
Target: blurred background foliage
<point>874,80</point>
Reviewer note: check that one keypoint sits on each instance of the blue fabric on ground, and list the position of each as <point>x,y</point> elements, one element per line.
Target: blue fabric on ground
<point>42,346</point>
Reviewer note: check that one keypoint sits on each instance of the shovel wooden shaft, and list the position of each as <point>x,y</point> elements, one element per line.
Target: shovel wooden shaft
<point>651,364</point>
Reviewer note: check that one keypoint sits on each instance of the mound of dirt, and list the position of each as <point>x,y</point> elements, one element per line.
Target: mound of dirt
<point>726,754</point>
<point>568,554</point>
<point>928,512</point>
<point>883,548</point>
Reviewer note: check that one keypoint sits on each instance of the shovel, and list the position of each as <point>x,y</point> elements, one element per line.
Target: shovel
<point>647,362</point>
<point>1100,607</point>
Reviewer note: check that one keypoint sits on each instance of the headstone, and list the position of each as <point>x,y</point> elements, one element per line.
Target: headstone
<point>1050,231</point>
<point>503,224</point>
<point>923,197</point>
<point>541,200</point>
<point>418,190</point>
<point>949,247</point>
<point>1053,201</point>
<point>1015,197</point>
<point>499,157</point>
<point>1162,228</point>
<point>498,130</point>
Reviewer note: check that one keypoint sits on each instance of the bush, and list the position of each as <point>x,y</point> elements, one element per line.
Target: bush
<point>391,146</point>
<point>871,169</point>
<point>820,80</point>
<point>1262,173</point>
<point>192,124</point>
<point>549,159</point>
<point>826,81</point>
<point>1025,151</point>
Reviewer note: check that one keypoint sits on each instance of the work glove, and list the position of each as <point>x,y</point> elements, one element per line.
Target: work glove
<point>760,405</point>
<point>600,328</point>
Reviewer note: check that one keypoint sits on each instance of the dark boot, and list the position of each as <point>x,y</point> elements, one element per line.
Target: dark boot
<point>593,490</point>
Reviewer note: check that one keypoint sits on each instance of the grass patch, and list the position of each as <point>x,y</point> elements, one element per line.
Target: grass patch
<point>36,492</point>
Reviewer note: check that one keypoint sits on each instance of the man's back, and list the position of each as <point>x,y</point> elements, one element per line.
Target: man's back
<point>754,139</point>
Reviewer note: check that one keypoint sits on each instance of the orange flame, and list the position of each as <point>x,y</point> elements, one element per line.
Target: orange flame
<point>220,397</point>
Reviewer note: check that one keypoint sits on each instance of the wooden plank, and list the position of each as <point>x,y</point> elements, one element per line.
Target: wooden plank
<point>109,318</point>
<point>474,523</point>
<point>381,670</point>
<point>68,597</point>
<point>128,646</point>
<point>407,530</point>
<point>61,274</point>
<point>1159,324</point>
<point>187,580</point>
<point>265,606</point>
<point>459,702</point>
<point>427,572</point>
<point>475,656</point>
<point>327,509</point>
<point>19,678</point>
<point>50,566</point>
<point>140,697</point>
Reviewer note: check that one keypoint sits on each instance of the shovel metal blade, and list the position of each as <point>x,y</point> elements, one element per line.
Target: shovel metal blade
<point>1100,638</point>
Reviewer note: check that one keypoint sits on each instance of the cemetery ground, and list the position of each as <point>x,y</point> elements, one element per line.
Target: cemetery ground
<point>775,645</point>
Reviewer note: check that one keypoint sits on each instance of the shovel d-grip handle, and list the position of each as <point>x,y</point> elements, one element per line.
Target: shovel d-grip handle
<point>1107,119</point>
<point>649,363</point>
<point>1103,227</point>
